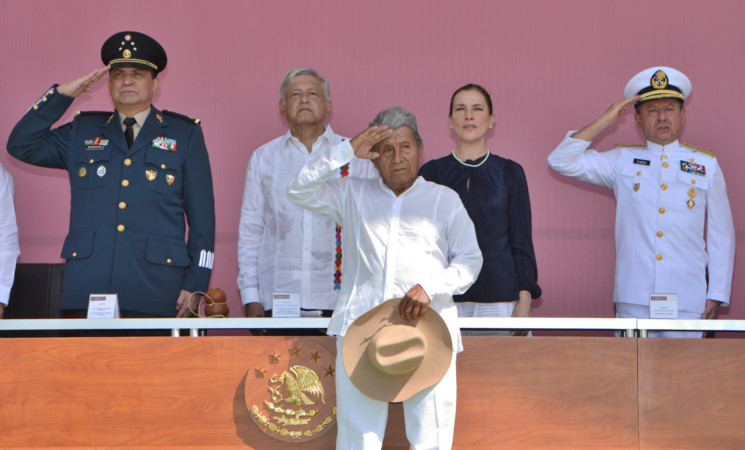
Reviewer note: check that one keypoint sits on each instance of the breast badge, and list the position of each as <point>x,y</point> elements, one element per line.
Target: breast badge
<point>691,195</point>
<point>291,396</point>
<point>151,174</point>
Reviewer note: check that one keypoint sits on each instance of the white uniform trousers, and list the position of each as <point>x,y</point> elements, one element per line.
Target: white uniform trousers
<point>631,311</point>
<point>361,420</point>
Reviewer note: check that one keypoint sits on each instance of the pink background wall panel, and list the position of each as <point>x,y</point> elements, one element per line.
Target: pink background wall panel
<point>550,66</point>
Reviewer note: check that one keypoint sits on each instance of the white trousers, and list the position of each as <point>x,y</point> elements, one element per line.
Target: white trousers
<point>361,420</point>
<point>631,311</point>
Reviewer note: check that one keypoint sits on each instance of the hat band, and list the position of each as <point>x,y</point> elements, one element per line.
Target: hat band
<point>655,95</point>
<point>135,61</point>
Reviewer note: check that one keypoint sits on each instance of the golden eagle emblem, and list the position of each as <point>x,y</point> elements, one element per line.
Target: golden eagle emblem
<point>659,80</point>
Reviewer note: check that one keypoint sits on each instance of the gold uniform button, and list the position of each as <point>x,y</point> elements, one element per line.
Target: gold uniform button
<point>125,183</point>
<point>122,205</point>
<point>665,164</point>
<point>162,166</point>
<point>74,254</point>
<point>168,260</point>
<point>120,228</point>
<point>663,187</point>
<point>659,257</point>
<point>638,174</point>
<point>659,234</point>
<point>693,181</point>
<point>127,162</point>
<point>91,161</point>
<point>664,156</point>
<point>662,210</point>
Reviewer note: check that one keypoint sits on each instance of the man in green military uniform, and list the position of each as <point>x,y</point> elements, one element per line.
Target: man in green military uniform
<point>137,175</point>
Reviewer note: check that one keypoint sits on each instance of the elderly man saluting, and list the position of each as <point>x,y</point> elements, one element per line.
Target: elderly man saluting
<point>404,237</point>
<point>666,192</point>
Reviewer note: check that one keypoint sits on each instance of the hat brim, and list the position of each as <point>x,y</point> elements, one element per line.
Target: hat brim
<point>396,388</point>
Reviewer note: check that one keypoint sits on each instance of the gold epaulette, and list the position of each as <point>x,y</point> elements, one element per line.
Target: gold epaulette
<point>181,116</point>
<point>697,149</point>
<point>629,146</point>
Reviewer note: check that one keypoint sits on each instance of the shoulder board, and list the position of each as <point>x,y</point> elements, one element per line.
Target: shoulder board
<point>93,113</point>
<point>629,146</point>
<point>181,116</point>
<point>697,149</point>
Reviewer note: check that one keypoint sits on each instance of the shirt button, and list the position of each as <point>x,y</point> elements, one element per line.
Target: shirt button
<point>74,254</point>
<point>662,210</point>
<point>664,156</point>
<point>638,174</point>
<point>91,161</point>
<point>663,187</point>
<point>659,257</point>
<point>127,162</point>
<point>120,228</point>
<point>122,205</point>
<point>659,234</point>
<point>125,183</point>
<point>665,164</point>
<point>168,260</point>
<point>162,166</point>
<point>693,181</point>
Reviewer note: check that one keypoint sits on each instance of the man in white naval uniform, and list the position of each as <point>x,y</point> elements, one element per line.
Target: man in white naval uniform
<point>666,192</point>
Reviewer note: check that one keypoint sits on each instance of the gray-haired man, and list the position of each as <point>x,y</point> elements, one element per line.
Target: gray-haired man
<point>283,249</point>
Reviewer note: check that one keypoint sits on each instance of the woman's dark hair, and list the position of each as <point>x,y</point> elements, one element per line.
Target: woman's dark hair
<point>470,87</point>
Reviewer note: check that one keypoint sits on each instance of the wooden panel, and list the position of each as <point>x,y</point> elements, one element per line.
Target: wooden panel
<point>692,393</point>
<point>162,391</point>
<point>547,392</point>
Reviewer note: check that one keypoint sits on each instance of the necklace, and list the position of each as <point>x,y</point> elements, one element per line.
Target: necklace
<point>471,165</point>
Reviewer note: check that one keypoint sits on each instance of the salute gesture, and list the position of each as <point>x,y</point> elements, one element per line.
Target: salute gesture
<point>83,84</point>
<point>366,140</point>
<point>610,117</point>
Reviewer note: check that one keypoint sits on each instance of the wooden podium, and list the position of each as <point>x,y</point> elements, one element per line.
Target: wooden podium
<point>550,392</point>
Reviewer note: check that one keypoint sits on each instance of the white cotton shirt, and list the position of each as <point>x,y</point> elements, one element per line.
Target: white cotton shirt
<point>9,249</point>
<point>282,247</point>
<point>660,245</point>
<point>391,243</point>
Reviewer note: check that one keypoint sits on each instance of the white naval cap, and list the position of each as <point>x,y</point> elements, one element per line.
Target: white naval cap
<point>658,82</point>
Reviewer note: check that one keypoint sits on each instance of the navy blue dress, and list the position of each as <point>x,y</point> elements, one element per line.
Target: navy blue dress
<point>495,194</point>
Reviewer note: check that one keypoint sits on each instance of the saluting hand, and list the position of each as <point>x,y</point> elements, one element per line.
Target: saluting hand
<point>609,117</point>
<point>83,84</point>
<point>365,141</point>
<point>414,304</point>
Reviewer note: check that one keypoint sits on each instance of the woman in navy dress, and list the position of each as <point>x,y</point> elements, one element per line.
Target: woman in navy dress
<point>494,191</point>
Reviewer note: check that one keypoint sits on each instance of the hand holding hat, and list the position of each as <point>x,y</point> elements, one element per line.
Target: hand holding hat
<point>391,359</point>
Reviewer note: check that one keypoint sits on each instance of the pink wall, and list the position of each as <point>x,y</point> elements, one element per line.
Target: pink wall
<point>551,65</point>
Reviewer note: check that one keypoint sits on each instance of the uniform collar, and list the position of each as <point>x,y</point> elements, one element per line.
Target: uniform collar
<point>663,148</point>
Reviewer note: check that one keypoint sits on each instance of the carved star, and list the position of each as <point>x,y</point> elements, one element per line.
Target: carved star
<point>315,356</point>
<point>260,371</point>
<point>274,356</point>
<point>330,371</point>
<point>295,351</point>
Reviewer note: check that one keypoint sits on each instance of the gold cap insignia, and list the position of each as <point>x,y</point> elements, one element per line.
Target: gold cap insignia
<point>659,80</point>
<point>151,174</point>
<point>127,53</point>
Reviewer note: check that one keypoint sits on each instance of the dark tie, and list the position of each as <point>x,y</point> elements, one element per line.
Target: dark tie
<point>129,132</point>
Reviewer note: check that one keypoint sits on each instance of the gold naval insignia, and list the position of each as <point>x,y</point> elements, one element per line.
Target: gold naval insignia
<point>691,194</point>
<point>151,174</point>
<point>659,80</point>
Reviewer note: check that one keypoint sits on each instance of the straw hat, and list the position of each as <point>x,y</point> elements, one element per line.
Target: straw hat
<point>390,359</point>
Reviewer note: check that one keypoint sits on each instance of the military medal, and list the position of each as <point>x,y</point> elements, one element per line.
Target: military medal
<point>82,171</point>
<point>170,179</point>
<point>691,194</point>
<point>151,174</point>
